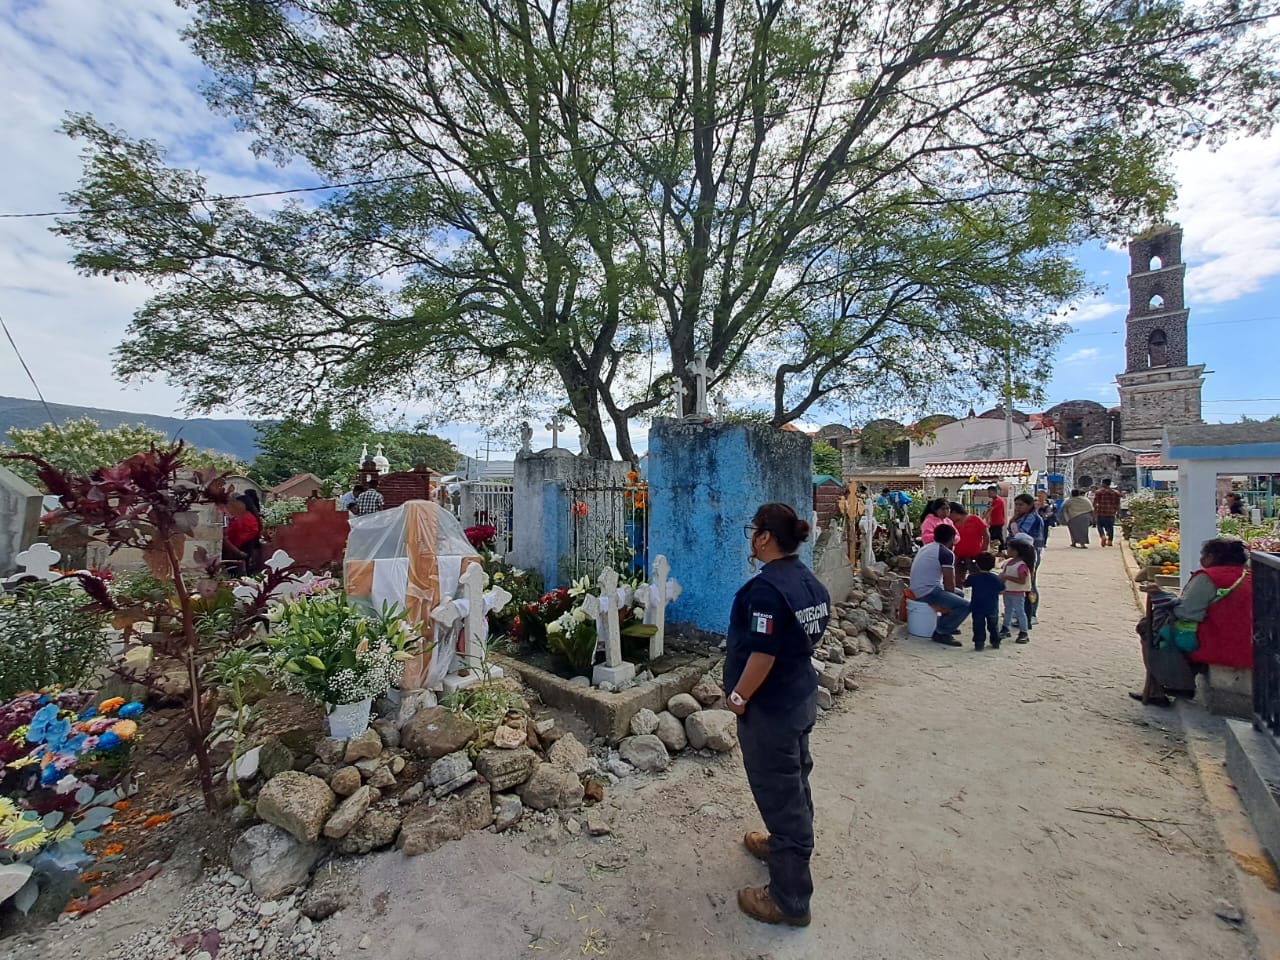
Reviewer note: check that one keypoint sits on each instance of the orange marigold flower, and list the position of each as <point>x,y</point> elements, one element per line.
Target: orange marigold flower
<point>120,805</point>
<point>94,891</point>
<point>91,877</point>
<point>113,849</point>
<point>156,819</point>
<point>112,705</point>
<point>125,729</point>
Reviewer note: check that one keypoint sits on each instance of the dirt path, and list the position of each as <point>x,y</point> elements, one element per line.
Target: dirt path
<point>944,791</point>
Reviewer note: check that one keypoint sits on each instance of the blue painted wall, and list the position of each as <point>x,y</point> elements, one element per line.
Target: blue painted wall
<point>705,482</point>
<point>557,531</point>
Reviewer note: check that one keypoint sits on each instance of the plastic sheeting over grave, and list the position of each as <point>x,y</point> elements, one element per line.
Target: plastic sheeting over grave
<point>412,557</point>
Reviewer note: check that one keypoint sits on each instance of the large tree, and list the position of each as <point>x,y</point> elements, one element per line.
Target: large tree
<point>582,195</point>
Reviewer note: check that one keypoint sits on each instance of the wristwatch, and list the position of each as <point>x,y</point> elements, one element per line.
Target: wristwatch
<point>736,699</point>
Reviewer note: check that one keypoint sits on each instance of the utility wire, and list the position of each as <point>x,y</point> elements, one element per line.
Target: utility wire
<point>4,326</point>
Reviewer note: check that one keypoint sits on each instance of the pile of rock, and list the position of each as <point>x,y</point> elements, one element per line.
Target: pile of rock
<point>694,720</point>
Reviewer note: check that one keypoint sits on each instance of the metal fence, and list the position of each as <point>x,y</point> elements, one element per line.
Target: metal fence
<point>610,528</point>
<point>486,503</point>
<point>1266,642</point>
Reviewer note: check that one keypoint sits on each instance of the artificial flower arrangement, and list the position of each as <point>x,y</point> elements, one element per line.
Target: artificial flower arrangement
<point>327,650</point>
<point>61,762</point>
<point>481,536</point>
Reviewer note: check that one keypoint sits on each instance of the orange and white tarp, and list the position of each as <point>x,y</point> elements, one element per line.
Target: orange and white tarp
<point>412,557</point>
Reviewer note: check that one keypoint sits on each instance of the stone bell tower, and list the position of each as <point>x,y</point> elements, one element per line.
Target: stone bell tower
<point>1158,388</point>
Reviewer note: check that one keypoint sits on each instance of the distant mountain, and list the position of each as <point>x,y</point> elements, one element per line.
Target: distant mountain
<point>236,437</point>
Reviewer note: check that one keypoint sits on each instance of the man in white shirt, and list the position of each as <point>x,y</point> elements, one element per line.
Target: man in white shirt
<point>933,581</point>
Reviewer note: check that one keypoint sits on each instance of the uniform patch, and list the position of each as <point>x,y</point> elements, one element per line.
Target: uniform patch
<point>762,623</point>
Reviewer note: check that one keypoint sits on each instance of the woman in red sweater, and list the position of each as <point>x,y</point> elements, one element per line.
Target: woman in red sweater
<point>1218,597</point>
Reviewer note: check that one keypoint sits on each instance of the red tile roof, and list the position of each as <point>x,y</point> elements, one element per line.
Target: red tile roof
<point>982,469</point>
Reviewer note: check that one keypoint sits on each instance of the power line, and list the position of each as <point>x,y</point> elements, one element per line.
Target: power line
<point>1206,323</point>
<point>611,142</point>
<point>4,326</point>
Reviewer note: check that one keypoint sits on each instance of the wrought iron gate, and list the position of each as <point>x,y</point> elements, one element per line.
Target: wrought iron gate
<point>486,503</point>
<point>610,528</point>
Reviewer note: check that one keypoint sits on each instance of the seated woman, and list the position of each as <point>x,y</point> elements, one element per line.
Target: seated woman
<point>1219,598</point>
<point>242,537</point>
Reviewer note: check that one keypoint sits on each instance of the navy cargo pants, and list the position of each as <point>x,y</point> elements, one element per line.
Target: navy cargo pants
<point>775,753</point>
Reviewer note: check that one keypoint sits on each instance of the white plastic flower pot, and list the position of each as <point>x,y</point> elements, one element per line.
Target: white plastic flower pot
<point>347,720</point>
<point>922,620</point>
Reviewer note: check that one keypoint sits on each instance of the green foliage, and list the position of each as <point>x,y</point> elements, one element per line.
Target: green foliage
<point>48,637</point>
<point>1150,512</point>
<point>82,446</point>
<point>826,459</point>
<point>278,512</point>
<point>324,648</point>
<point>484,703</point>
<point>330,448</point>
<point>574,643</point>
<point>825,188</point>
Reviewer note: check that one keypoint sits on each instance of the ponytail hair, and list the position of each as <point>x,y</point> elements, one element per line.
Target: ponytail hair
<point>251,502</point>
<point>1025,551</point>
<point>784,523</point>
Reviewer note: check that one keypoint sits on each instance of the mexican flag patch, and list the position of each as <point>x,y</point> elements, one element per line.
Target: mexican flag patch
<point>762,623</point>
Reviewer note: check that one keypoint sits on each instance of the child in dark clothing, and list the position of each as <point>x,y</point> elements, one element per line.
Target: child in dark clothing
<point>984,602</point>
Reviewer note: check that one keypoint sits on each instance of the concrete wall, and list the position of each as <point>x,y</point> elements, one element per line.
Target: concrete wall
<point>977,438</point>
<point>705,482</point>
<point>538,516</point>
<point>20,505</point>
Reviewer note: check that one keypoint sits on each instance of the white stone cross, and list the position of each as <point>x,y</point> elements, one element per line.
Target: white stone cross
<point>681,391</point>
<point>526,437</point>
<point>614,670</point>
<point>472,608</point>
<point>697,368</point>
<point>36,561</point>
<point>555,425</point>
<point>656,596</point>
<point>722,406</point>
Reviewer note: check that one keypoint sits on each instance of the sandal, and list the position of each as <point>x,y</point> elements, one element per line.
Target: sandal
<point>1150,701</point>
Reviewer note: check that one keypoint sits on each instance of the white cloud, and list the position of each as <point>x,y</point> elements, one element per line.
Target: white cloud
<point>1087,311</point>
<point>1083,356</point>
<point>1229,208</point>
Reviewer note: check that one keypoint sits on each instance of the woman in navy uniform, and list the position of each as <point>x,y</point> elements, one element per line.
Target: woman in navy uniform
<point>777,618</point>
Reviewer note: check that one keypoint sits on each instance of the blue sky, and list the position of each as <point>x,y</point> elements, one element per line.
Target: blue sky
<point>126,64</point>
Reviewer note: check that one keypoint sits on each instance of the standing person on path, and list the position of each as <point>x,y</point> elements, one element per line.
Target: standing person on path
<point>974,540</point>
<point>1030,524</point>
<point>1017,577</point>
<point>933,581</point>
<point>984,602</point>
<point>1106,504</point>
<point>996,515</point>
<point>1077,514</point>
<point>774,625</point>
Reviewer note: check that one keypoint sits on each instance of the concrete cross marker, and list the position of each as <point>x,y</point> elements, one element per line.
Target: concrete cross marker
<point>614,670</point>
<point>472,610</point>
<point>555,425</point>
<point>697,368</point>
<point>36,561</point>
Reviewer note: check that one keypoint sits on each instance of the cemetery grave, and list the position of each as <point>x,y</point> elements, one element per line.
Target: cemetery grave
<point>427,688</point>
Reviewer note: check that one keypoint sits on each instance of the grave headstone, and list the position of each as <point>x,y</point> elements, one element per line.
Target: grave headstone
<point>20,507</point>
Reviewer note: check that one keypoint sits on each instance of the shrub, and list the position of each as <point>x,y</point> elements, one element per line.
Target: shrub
<point>48,637</point>
<point>572,637</point>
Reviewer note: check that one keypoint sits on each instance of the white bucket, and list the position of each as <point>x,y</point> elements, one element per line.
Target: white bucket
<point>347,720</point>
<point>922,619</point>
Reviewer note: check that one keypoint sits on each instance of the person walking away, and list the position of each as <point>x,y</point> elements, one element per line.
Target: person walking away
<point>973,539</point>
<point>984,602</point>
<point>1016,576</point>
<point>936,513</point>
<point>997,515</point>
<point>370,501</point>
<point>1235,504</point>
<point>1077,515</point>
<point>933,581</point>
<point>1106,504</point>
<point>775,623</point>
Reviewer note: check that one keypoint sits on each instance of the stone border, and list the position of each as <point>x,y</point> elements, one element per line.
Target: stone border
<point>609,714</point>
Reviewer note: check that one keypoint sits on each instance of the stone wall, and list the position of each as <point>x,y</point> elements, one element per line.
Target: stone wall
<point>705,483</point>
<point>1083,423</point>
<point>20,505</point>
<point>539,518</point>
